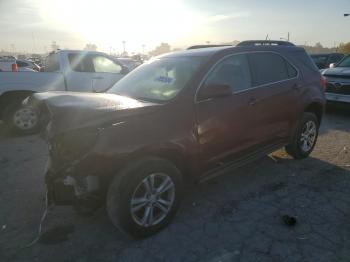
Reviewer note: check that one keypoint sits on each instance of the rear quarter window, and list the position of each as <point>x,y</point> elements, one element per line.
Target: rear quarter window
<point>306,60</point>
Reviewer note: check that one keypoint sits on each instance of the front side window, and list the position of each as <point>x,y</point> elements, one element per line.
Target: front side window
<point>270,68</point>
<point>158,80</point>
<point>104,65</point>
<point>81,63</point>
<point>233,71</point>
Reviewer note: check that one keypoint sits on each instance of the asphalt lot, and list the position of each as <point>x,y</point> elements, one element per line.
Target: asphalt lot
<point>236,217</point>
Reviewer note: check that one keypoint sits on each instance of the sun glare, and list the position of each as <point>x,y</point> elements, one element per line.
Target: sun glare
<point>107,22</point>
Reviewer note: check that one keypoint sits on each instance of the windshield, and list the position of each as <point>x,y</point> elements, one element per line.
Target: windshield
<point>158,80</point>
<point>345,62</point>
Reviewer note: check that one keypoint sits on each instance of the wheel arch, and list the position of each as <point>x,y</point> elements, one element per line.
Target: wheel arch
<point>9,97</point>
<point>317,108</point>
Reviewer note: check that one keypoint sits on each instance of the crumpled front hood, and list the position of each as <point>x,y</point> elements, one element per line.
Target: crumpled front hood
<point>72,110</point>
<point>341,71</point>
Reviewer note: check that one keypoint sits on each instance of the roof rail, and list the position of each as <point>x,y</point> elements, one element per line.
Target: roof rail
<point>265,42</point>
<point>204,46</point>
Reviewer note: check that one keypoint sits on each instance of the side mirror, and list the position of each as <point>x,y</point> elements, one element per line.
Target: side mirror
<point>332,65</point>
<point>125,70</point>
<point>215,90</point>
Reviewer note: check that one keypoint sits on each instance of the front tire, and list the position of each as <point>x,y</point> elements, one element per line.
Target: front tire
<point>22,119</point>
<point>305,138</point>
<point>144,197</point>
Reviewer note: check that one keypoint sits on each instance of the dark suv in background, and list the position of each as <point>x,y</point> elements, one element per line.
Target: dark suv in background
<point>323,61</point>
<point>188,115</point>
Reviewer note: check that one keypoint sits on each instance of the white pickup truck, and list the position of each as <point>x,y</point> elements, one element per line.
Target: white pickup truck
<point>64,70</point>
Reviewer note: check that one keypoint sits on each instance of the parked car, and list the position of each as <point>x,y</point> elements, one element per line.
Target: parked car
<point>65,70</point>
<point>8,64</point>
<point>27,64</point>
<point>324,60</point>
<point>184,116</point>
<point>338,82</point>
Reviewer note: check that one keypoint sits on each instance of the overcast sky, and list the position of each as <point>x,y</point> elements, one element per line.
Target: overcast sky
<point>32,25</point>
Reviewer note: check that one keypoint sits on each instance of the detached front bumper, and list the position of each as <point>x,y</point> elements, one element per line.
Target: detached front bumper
<point>332,97</point>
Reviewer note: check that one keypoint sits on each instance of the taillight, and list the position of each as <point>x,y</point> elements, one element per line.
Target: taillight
<point>323,82</point>
<point>14,68</point>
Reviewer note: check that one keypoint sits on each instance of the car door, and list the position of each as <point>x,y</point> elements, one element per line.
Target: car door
<point>225,125</point>
<point>275,96</point>
<point>106,73</point>
<point>79,73</point>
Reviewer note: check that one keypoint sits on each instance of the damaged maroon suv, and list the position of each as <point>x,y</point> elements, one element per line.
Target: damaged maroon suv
<point>188,115</point>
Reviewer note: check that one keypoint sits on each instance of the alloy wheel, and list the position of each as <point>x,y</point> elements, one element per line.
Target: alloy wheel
<point>308,136</point>
<point>152,199</point>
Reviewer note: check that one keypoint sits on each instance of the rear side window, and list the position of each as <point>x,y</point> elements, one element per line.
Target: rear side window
<point>269,68</point>
<point>233,71</point>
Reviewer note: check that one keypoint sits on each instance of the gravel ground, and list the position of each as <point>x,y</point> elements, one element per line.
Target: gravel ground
<point>236,217</point>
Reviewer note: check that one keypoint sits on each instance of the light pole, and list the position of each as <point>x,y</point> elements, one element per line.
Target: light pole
<point>123,47</point>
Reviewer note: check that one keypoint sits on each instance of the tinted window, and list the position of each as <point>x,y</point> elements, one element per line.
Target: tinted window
<point>233,71</point>
<point>52,63</point>
<point>269,68</point>
<point>104,65</point>
<point>80,63</point>
<point>292,72</point>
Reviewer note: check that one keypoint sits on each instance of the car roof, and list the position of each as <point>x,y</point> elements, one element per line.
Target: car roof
<point>78,52</point>
<point>210,51</point>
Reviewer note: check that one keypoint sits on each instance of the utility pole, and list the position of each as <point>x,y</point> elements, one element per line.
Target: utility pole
<point>124,42</point>
<point>33,39</point>
<point>288,36</point>
<point>143,49</point>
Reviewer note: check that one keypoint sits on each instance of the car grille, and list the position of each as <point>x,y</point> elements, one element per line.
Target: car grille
<point>338,88</point>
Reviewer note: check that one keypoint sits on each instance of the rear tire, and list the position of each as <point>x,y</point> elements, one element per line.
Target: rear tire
<point>144,197</point>
<point>305,137</point>
<point>22,119</point>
